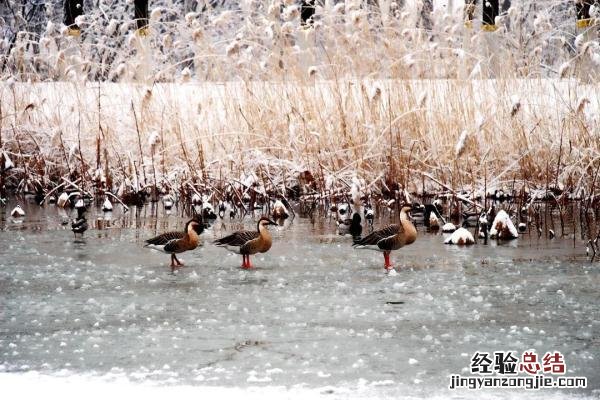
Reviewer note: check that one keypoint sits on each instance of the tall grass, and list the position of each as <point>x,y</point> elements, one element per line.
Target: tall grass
<point>375,95</point>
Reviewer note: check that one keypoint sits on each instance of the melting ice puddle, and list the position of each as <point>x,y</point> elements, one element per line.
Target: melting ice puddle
<point>315,319</point>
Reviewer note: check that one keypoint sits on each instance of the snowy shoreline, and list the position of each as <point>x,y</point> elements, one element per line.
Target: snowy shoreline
<point>33,384</point>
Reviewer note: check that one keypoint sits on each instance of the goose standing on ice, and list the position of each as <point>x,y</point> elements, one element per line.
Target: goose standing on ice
<point>247,243</point>
<point>177,242</point>
<point>79,225</point>
<point>392,237</point>
<point>434,222</point>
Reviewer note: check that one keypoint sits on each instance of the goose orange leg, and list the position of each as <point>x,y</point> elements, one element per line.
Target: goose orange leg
<point>246,261</point>
<point>386,257</point>
<point>179,263</point>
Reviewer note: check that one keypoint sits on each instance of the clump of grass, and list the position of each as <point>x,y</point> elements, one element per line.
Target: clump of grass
<point>244,102</point>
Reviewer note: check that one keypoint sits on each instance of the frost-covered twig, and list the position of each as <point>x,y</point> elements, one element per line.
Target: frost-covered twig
<point>457,195</point>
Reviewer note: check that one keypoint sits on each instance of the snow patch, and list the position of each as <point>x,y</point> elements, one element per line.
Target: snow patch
<point>460,237</point>
<point>448,227</point>
<point>503,227</point>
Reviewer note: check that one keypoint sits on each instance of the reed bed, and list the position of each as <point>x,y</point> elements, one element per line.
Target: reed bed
<point>418,136</point>
<point>386,100</point>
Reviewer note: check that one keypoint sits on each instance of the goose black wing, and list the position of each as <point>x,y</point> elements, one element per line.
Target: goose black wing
<point>376,236</point>
<point>172,246</point>
<point>162,240</point>
<point>79,226</point>
<point>237,239</point>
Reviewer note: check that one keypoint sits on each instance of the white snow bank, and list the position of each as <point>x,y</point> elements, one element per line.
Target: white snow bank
<point>7,161</point>
<point>31,385</point>
<point>503,227</point>
<point>461,236</point>
<point>448,227</point>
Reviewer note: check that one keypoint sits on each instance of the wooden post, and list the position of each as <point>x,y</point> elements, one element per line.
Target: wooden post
<point>504,7</point>
<point>425,21</point>
<point>141,16</point>
<point>143,70</point>
<point>307,11</point>
<point>306,36</point>
<point>73,9</point>
<point>582,7</point>
<point>490,12</point>
<point>585,68</point>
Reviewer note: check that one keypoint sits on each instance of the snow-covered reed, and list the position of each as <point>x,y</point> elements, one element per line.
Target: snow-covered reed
<point>242,95</point>
<point>264,40</point>
<point>319,136</point>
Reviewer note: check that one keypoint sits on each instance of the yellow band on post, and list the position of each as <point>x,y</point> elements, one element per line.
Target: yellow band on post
<point>584,23</point>
<point>469,24</point>
<point>142,31</point>
<point>73,32</point>
<point>489,28</point>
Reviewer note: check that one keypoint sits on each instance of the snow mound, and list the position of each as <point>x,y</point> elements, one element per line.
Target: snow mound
<point>503,227</point>
<point>8,164</point>
<point>107,206</point>
<point>17,212</point>
<point>63,200</point>
<point>448,227</point>
<point>461,236</point>
<point>434,222</point>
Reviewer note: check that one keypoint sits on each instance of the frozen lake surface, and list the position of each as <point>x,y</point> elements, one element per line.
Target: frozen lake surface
<point>315,317</point>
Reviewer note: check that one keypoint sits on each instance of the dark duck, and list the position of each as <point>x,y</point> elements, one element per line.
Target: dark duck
<point>369,215</point>
<point>178,242</point>
<point>392,237</point>
<point>79,225</point>
<point>247,243</point>
<point>350,226</point>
